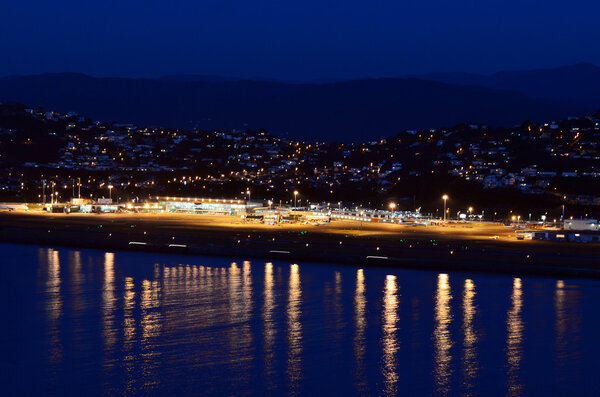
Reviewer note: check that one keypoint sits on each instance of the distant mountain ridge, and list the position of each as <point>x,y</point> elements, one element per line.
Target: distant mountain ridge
<point>578,84</point>
<point>197,77</point>
<point>355,110</point>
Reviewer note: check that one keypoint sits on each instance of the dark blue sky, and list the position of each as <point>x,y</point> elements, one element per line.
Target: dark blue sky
<point>309,39</point>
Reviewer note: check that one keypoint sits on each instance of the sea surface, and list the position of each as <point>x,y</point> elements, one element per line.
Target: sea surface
<point>91,322</point>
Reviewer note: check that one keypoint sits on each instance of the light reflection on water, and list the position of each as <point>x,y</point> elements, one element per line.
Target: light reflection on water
<point>143,324</point>
<point>470,338</point>
<point>129,334</point>
<point>441,335</point>
<point>294,331</point>
<point>109,301</point>
<point>390,339</point>
<point>269,327</point>
<point>514,340</point>
<point>568,323</point>
<point>151,327</point>
<point>54,308</point>
<point>360,325</point>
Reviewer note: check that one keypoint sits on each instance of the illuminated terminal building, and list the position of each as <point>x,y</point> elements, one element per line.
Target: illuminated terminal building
<point>207,205</point>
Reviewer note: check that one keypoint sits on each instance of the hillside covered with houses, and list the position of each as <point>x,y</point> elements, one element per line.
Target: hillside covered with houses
<point>534,166</point>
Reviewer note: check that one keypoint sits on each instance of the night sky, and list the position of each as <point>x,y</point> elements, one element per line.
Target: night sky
<point>302,40</point>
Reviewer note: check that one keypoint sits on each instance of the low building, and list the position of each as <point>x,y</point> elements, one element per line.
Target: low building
<point>208,205</point>
<point>81,201</point>
<point>586,236</point>
<point>581,224</point>
<point>271,216</point>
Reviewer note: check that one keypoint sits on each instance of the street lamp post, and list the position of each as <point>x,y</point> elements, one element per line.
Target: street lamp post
<point>110,187</point>
<point>445,198</point>
<point>392,207</point>
<point>295,198</point>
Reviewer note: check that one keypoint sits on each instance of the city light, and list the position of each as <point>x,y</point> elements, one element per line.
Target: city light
<point>208,273</point>
<point>445,198</point>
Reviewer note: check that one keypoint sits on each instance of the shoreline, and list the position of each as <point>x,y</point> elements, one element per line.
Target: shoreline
<point>374,245</point>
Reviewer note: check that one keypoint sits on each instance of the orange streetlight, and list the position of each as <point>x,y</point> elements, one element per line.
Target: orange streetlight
<point>445,198</point>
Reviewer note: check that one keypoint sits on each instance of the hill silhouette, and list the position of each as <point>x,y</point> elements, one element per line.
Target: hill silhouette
<point>356,110</point>
<point>577,84</point>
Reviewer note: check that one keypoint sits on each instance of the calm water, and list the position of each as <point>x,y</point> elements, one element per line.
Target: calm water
<point>84,322</point>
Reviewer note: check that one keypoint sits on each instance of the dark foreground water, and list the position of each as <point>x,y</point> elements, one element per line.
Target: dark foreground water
<point>83,322</point>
